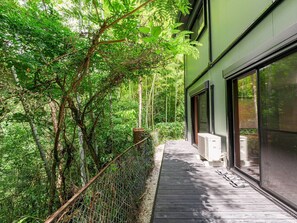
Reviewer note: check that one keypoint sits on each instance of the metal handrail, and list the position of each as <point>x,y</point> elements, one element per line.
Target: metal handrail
<point>75,197</point>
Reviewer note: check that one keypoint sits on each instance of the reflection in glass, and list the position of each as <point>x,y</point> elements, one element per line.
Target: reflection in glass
<point>278,88</point>
<point>246,125</point>
<point>200,119</point>
<point>199,23</point>
<point>202,113</point>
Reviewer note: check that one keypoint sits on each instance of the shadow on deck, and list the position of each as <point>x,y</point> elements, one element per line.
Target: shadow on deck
<point>190,192</point>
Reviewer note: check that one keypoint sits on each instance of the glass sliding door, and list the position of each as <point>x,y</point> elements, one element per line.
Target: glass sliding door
<point>278,103</point>
<point>247,152</point>
<point>268,152</point>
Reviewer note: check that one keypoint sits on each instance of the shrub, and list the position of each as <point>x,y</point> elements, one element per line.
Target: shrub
<point>170,130</point>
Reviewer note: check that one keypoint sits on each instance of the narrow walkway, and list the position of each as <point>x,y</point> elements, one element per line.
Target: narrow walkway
<point>190,192</point>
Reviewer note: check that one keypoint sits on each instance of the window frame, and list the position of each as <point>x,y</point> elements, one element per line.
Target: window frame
<point>207,110</point>
<point>280,46</point>
<point>230,77</point>
<point>194,97</point>
<point>236,120</point>
<point>198,10</point>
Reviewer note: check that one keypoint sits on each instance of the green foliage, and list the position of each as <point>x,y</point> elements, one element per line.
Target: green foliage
<point>170,130</point>
<point>250,131</point>
<point>30,38</point>
<point>116,126</point>
<point>74,66</point>
<point>245,87</point>
<point>23,187</point>
<point>28,219</point>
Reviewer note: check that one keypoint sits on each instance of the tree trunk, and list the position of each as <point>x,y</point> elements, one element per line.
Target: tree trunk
<point>34,129</point>
<point>175,102</point>
<point>150,100</point>
<point>82,158</point>
<point>146,103</point>
<point>153,97</point>
<point>111,122</point>
<point>254,84</point>
<point>94,136</point>
<point>87,137</point>
<point>166,103</point>
<point>60,184</point>
<point>140,102</point>
<point>89,144</point>
<point>83,175</point>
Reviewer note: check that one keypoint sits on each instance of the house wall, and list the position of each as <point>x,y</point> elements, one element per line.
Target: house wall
<point>229,19</point>
<point>194,67</point>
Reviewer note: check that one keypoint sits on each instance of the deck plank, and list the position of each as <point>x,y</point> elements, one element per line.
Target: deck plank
<point>190,192</point>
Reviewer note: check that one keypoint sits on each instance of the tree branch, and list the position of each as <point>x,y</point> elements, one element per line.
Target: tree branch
<point>128,14</point>
<point>61,57</point>
<point>112,41</point>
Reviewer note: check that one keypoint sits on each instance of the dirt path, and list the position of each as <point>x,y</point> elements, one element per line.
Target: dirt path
<point>151,187</point>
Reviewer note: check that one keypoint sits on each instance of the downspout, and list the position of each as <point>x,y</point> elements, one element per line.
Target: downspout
<point>212,130</point>
<point>209,32</point>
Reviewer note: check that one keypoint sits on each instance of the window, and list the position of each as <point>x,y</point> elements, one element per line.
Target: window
<point>247,152</point>
<point>200,114</point>
<point>203,123</point>
<point>198,20</point>
<point>264,103</point>
<point>278,115</point>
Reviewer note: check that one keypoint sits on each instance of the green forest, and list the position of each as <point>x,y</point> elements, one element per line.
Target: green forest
<point>76,77</point>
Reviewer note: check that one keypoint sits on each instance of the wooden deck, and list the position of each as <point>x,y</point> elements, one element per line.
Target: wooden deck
<point>190,192</point>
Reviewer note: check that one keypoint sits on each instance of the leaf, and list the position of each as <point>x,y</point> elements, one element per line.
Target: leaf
<point>175,31</point>
<point>178,24</point>
<point>148,39</point>
<point>185,32</point>
<point>158,51</point>
<point>23,219</point>
<point>156,30</point>
<point>144,30</point>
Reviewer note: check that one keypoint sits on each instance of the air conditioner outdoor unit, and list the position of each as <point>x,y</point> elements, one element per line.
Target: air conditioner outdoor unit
<point>209,146</point>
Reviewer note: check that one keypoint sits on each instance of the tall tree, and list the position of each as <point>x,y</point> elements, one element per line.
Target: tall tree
<point>111,43</point>
<point>32,125</point>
